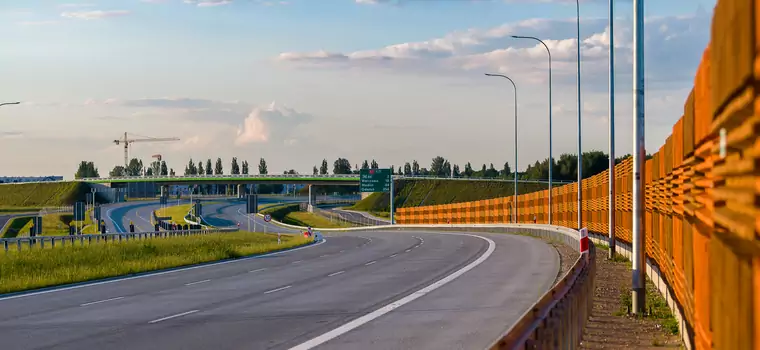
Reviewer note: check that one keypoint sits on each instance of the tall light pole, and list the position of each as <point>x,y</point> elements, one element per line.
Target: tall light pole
<point>9,103</point>
<point>514,198</point>
<point>638,294</point>
<point>611,219</point>
<point>551,161</point>
<point>580,152</point>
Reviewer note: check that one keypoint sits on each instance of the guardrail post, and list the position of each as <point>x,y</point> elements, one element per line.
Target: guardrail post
<point>42,243</point>
<point>81,241</point>
<point>5,244</point>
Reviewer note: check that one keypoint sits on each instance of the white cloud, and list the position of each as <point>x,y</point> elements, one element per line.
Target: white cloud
<point>273,123</point>
<point>77,5</point>
<point>208,3</point>
<point>97,14</point>
<point>673,48</point>
<point>11,134</point>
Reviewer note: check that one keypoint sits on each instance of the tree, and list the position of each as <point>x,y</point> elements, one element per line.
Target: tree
<point>190,169</point>
<point>365,165</point>
<point>506,171</point>
<point>483,171</point>
<point>171,172</point>
<point>446,169</point>
<point>415,168</point>
<point>455,171</point>
<point>117,171</point>
<point>134,168</point>
<point>262,166</point>
<point>468,172</point>
<point>291,172</point>
<point>200,168</point>
<point>400,171</point>
<point>323,169</point>
<point>245,167</point>
<point>235,167</point>
<point>155,166</point>
<point>209,169</point>
<point>374,165</point>
<point>341,166</point>
<point>86,169</point>
<point>436,167</point>
<point>218,168</point>
<point>407,169</point>
<point>149,172</point>
<point>315,171</point>
<point>491,172</point>
<point>393,170</point>
<point>164,168</point>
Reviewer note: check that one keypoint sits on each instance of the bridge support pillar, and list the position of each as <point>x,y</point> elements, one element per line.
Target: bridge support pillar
<point>163,190</point>
<point>310,202</point>
<point>240,191</point>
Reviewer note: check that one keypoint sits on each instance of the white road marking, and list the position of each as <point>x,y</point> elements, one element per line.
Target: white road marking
<point>257,270</point>
<point>408,250</point>
<point>342,251</point>
<point>174,316</point>
<point>335,273</point>
<point>297,261</point>
<point>101,301</point>
<point>393,256</point>
<point>17,296</point>
<point>370,263</point>
<point>324,256</point>
<point>197,282</point>
<point>319,340</point>
<point>277,290</point>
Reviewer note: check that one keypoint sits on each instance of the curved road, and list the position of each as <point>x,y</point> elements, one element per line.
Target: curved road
<point>324,296</point>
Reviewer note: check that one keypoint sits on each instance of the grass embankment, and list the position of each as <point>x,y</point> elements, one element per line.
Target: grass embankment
<point>37,268</point>
<point>176,213</point>
<point>55,224</point>
<point>15,210</point>
<point>413,193</point>
<point>291,215</point>
<point>37,195</point>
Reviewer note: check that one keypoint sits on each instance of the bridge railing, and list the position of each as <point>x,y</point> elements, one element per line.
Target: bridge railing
<point>50,242</point>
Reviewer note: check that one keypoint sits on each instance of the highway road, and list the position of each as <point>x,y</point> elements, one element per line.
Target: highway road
<point>333,295</point>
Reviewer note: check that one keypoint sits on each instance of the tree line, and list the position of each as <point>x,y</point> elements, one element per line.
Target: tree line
<point>563,168</point>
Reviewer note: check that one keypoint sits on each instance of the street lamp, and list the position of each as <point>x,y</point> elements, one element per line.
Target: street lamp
<point>514,201</point>
<point>580,153</point>
<point>9,103</point>
<point>551,161</point>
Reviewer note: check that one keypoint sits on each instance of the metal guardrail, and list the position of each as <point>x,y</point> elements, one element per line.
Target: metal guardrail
<point>557,320</point>
<point>39,241</point>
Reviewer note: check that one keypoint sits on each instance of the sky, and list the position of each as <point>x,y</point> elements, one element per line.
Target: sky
<point>298,81</point>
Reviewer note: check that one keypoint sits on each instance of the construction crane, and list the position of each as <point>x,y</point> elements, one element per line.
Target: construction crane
<point>127,141</point>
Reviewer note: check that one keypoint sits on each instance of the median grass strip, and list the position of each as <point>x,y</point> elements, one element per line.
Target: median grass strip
<point>31,269</point>
<point>176,213</point>
<point>301,218</point>
<point>55,224</point>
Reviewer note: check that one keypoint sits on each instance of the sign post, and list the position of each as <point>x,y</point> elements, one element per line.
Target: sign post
<point>584,242</point>
<point>377,180</point>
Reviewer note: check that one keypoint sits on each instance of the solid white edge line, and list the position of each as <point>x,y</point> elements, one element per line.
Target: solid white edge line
<point>174,316</point>
<point>319,340</point>
<point>297,261</point>
<point>370,263</point>
<point>101,301</point>
<point>277,290</point>
<point>156,273</point>
<point>257,270</point>
<point>408,250</point>
<point>197,282</point>
<point>393,256</point>
<point>335,273</point>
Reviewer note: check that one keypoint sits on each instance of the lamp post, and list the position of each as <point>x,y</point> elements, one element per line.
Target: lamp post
<point>638,296</point>
<point>611,219</point>
<point>580,153</point>
<point>551,161</point>
<point>514,201</point>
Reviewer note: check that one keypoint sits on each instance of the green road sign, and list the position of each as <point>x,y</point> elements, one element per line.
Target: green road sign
<point>375,180</point>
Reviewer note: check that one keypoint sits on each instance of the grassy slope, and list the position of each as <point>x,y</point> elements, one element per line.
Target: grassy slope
<point>412,193</point>
<point>38,268</point>
<point>290,214</point>
<point>42,194</point>
<point>56,224</point>
<point>176,213</point>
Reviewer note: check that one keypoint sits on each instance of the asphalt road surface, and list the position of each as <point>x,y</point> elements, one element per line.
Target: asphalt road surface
<point>323,296</point>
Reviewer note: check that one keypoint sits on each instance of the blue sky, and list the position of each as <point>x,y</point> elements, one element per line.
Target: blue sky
<point>348,78</point>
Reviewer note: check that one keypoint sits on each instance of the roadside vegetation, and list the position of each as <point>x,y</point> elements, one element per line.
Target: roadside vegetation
<point>290,214</point>
<point>55,224</point>
<point>175,213</point>
<point>53,194</point>
<point>31,269</point>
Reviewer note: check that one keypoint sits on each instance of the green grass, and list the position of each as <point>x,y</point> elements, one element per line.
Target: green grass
<point>657,308</point>
<point>31,269</point>
<point>55,224</point>
<point>14,210</point>
<point>51,194</point>
<point>176,213</point>
<point>15,227</point>
<point>301,218</point>
<point>412,193</point>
